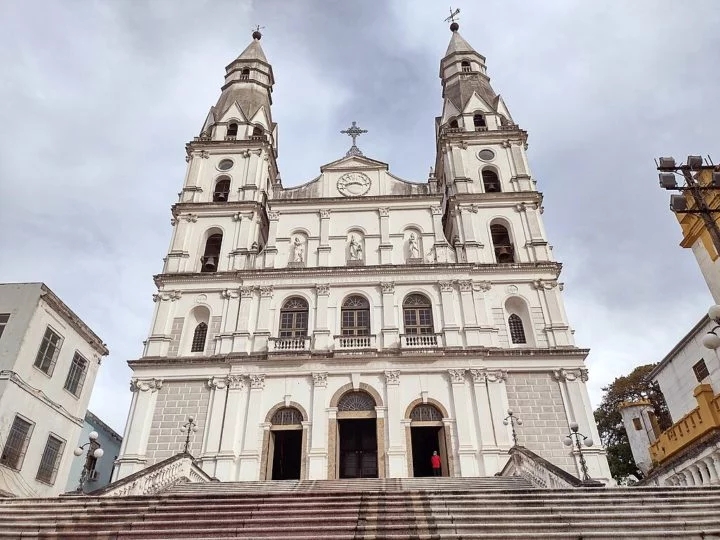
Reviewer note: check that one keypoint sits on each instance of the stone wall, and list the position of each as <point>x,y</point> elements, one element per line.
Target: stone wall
<point>175,402</point>
<point>536,399</point>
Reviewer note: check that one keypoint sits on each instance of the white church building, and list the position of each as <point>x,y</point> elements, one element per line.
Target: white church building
<point>353,325</point>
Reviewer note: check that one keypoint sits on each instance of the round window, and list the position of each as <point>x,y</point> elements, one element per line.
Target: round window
<point>486,155</point>
<point>225,165</point>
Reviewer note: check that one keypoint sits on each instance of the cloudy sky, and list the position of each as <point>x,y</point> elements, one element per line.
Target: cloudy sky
<point>97,99</point>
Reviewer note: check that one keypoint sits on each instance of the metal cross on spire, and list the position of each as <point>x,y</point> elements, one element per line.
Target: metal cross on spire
<point>453,14</point>
<point>353,131</point>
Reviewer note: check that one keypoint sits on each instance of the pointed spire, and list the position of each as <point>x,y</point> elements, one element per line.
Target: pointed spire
<point>254,50</point>
<point>457,43</point>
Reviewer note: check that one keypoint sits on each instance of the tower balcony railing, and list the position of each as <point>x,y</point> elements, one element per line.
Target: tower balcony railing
<point>421,341</point>
<point>287,344</point>
<point>508,127</point>
<point>368,341</point>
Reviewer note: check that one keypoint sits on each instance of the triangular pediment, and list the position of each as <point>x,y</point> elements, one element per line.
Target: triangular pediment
<point>234,112</point>
<point>502,109</point>
<point>354,163</point>
<point>261,117</point>
<point>477,103</point>
<point>449,111</point>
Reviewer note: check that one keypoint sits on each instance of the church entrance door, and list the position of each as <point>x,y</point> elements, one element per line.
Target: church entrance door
<point>425,441</point>
<point>287,454</point>
<point>358,448</point>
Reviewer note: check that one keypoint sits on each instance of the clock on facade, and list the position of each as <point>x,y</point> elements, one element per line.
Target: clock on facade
<point>353,184</point>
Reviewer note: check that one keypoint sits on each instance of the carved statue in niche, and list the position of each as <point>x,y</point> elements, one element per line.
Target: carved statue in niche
<point>355,249</point>
<point>413,248</point>
<point>298,250</point>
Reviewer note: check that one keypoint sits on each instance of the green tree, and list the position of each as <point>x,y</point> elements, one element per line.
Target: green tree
<point>632,387</point>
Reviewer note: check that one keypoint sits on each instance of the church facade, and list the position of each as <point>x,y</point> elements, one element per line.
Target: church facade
<point>356,324</point>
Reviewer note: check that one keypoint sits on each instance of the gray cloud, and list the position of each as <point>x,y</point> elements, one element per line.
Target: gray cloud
<point>98,99</point>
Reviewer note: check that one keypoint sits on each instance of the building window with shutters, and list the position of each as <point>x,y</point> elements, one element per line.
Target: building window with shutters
<point>417,315</point>
<point>16,443</point>
<point>76,376</point>
<point>48,353</point>
<point>294,318</point>
<point>355,317</point>
<point>50,461</point>
<point>701,371</point>
<point>4,318</point>
<point>517,331</point>
<point>199,337</point>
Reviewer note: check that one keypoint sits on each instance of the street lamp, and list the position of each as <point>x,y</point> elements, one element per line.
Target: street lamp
<point>94,453</point>
<point>679,203</point>
<point>575,437</point>
<point>711,340</point>
<point>188,427</point>
<point>512,420</point>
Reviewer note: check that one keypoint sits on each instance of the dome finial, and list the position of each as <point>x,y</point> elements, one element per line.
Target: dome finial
<point>256,34</point>
<point>454,26</point>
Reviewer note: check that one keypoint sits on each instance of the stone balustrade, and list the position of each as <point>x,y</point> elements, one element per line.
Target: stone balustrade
<point>289,344</point>
<point>355,342</point>
<point>421,341</point>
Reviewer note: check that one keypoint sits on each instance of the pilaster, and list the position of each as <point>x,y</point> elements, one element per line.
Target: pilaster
<point>463,411</point>
<point>450,326</point>
<point>250,456</point>
<point>318,454</point>
<point>233,427</point>
<point>216,410</point>
<point>270,248</point>
<point>262,332</point>
<point>397,451</point>
<point>324,247</point>
<point>557,329</point>
<point>230,310</point>
<point>241,338</point>
<point>391,337</point>
<point>385,245</point>
<point>322,338</point>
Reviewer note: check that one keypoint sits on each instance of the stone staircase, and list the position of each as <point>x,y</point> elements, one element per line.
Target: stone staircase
<point>393,509</point>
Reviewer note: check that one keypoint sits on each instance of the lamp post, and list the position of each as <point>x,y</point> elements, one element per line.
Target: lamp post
<point>679,203</point>
<point>575,437</point>
<point>711,340</point>
<point>188,427</point>
<point>94,452</point>
<point>511,419</point>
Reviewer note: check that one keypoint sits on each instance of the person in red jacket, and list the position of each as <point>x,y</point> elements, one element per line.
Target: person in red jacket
<point>435,462</point>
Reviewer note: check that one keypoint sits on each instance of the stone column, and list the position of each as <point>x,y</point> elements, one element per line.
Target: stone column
<point>440,244</point>
<point>318,455</point>
<point>472,245</point>
<point>497,395</point>
<point>270,247</point>
<point>262,332</point>
<point>491,455</point>
<point>390,332</point>
<point>133,457</point>
<point>232,428</point>
<point>230,309</point>
<point>158,342</point>
<point>470,323</point>
<point>466,449</point>
<point>487,331</point>
<point>241,338</point>
<point>557,328</point>
<point>250,456</point>
<point>216,413</point>
<point>397,452</point>
<point>323,338</point>
<point>324,247</point>
<point>385,245</point>
<point>450,326</point>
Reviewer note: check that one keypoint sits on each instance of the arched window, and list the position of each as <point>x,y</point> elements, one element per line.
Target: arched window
<point>491,182</point>
<point>356,401</point>
<point>211,254</point>
<point>355,316</point>
<point>244,74</point>
<point>465,66</point>
<point>258,131</point>
<point>426,413</point>
<point>294,318</point>
<point>453,124</point>
<point>287,416</point>
<point>222,190</point>
<point>199,337</point>
<point>501,243</point>
<point>517,332</point>
<point>232,130</point>
<point>417,315</point>
<point>479,121</point>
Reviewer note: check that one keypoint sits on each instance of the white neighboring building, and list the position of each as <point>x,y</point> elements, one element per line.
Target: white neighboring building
<point>48,362</point>
<point>354,324</point>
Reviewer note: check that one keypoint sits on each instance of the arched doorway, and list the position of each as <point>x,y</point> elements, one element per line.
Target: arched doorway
<point>357,433</point>
<point>285,445</point>
<point>427,434</point>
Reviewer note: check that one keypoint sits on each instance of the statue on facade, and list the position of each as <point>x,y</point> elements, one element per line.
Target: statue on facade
<point>298,251</point>
<point>356,250</point>
<point>413,248</point>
